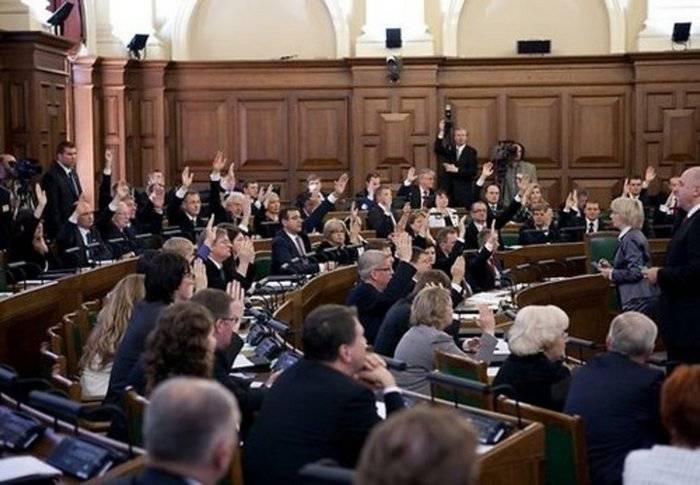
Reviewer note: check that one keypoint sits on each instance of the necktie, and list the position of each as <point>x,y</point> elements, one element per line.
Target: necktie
<point>424,199</point>
<point>590,228</point>
<point>300,246</point>
<point>73,183</point>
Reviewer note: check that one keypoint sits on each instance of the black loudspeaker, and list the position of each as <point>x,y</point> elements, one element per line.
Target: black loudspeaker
<point>393,38</point>
<point>534,46</point>
<point>138,42</point>
<point>681,31</point>
<point>61,14</point>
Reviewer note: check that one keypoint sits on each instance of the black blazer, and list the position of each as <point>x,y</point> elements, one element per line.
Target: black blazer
<point>217,278</point>
<point>178,217</point>
<point>380,222</point>
<point>143,320</point>
<point>536,380</point>
<point>284,250</point>
<point>444,262</point>
<point>412,194</point>
<point>150,476</point>
<point>458,185</point>
<point>372,305</point>
<point>264,227</point>
<point>529,234</point>
<point>69,237</point>
<point>129,242</point>
<point>61,198</point>
<point>311,412</point>
<point>618,400</point>
<point>679,281</point>
<point>480,275</point>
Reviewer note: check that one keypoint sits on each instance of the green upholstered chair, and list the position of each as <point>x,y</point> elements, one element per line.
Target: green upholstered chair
<point>602,245</point>
<point>466,368</point>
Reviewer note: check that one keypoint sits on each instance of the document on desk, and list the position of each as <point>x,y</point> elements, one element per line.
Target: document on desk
<point>501,348</point>
<point>25,467</point>
<point>241,362</point>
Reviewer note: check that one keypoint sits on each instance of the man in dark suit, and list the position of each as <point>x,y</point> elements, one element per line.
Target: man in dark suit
<point>421,194</point>
<point>167,279</point>
<point>458,167</point>
<point>184,208</point>
<point>380,287</point>
<point>62,187</point>
<point>120,234</point>
<point>449,248</point>
<point>291,247</point>
<point>79,242</point>
<point>218,273</point>
<point>321,407</point>
<point>680,277</point>
<point>541,229</point>
<point>189,432</point>
<point>380,217</point>
<point>617,395</point>
<point>492,197</point>
<point>484,271</point>
<point>365,197</point>
<point>482,218</point>
<point>668,212</point>
<point>573,225</point>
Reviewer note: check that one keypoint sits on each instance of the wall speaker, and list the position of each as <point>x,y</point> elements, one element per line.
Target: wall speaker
<point>681,32</point>
<point>393,38</point>
<point>534,46</point>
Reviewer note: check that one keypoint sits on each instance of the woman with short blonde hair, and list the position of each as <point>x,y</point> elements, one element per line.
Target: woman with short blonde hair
<point>534,370</point>
<point>630,211</point>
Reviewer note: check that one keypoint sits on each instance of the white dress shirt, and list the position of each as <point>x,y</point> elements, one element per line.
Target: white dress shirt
<point>662,465</point>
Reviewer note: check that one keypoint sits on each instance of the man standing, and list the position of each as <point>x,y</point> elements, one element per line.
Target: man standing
<point>458,168</point>
<point>62,188</point>
<point>679,279</point>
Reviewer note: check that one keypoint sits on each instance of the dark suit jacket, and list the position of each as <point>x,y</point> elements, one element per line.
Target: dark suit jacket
<point>61,198</point>
<point>444,262</point>
<point>372,304</point>
<point>314,222</point>
<point>177,217</point>
<point>150,476</point>
<point>363,200</point>
<point>411,193</point>
<point>128,242</point>
<point>217,278</point>
<point>529,234</point>
<point>458,185</point>
<point>266,230</point>
<point>148,221</point>
<point>573,227</point>
<point>679,281</point>
<point>480,275</point>
<point>380,222</point>
<point>69,237</point>
<point>618,400</point>
<point>312,412</point>
<point>143,320</point>
<point>536,380</point>
<point>284,250</point>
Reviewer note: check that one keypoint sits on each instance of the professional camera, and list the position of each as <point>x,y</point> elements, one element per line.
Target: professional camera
<point>393,67</point>
<point>504,152</point>
<point>21,172</point>
<point>448,117</point>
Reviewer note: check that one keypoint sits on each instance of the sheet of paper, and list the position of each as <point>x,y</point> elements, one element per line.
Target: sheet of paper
<point>241,361</point>
<point>17,467</point>
<point>501,348</point>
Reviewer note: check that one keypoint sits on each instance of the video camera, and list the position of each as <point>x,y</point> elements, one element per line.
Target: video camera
<point>503,153</point>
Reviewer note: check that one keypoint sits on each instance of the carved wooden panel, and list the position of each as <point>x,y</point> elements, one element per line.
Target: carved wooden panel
<point>201,127</point>
<point>262,134</point>
<point>600,190</point>
<point>597,131</point>
<point>323,134</point>
<point>679,142</point>
<point>480,117</point>
<point>19,106</point>
<point>536,123</point>
<point>656,103</point>
<point>551,190</point>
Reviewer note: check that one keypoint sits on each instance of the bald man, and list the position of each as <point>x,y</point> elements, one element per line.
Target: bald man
<point>679,279</point>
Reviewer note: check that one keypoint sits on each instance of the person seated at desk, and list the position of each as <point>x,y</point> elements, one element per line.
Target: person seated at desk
<point>291,247</point>
<point>450,246</point>
<point>631,257</point>
<point>218,275</point>
<point>541,229</point>
<point>79,242</point>
<point>120,234</point>
<point>335,239</point>
<point>573,226</point>
<point>184,208</point>
<point>366,197</point>
<point>421,194</point>
<point>492,196</point>
<point>379,286</point>
<point>267,222</point>
<point>417,228</point>
<point>380,217</point>
<point>312,190</point>
<point>481,220</point>
<point>422,445</point>
<point>240,264</point>
<point>323,406</point>
<point>431,314</point>
<point>535,367</point>
<point>189,433</point>
<point>534,197</point>
<point>396,322</point>
<point>442,215</point>
<point>678,462</point>
<point>617,396</point>
<point>105,337</point>
<point>484,271</point>
<point>168,279</point>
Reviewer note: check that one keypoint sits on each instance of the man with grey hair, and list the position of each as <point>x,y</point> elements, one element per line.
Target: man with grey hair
<point>189,432</point>
<point>417,188</point>
<point>617,395</point>
<point>380,287</point>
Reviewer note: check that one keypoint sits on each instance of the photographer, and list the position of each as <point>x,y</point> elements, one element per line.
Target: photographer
<point>458,167</point>
<point>515,165</point>
<point>15,191</point>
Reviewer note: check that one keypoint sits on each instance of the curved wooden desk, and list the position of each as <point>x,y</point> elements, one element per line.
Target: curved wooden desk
<point>25,316</point>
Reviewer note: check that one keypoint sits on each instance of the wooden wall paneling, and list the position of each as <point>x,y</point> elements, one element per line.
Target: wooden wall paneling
<point>536,122</point>
<point>116,116</point>
<point>597,131</point>
<point>601,190</point>
<point>19,115</point>
<point>480,115</point>
<point>152,119</point>
<point>86,115</point>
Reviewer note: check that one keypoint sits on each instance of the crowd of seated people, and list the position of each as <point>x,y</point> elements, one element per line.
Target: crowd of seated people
<point>179,320</point>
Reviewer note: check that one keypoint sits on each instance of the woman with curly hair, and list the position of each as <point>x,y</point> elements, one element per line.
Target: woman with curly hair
<point>182,344</point>
<point>102,344</point>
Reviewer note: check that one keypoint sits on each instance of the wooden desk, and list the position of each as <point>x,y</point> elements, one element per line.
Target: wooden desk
<point>539,252</point>
<point>25,316</point>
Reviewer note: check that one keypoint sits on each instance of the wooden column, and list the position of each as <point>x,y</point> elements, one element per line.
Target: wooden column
<point>86,126</point>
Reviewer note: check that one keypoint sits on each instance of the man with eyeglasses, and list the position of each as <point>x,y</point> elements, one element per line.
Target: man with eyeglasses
<point>217,274</point>
<point>227,309</point>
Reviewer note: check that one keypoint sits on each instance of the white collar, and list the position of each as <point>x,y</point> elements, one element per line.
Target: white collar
<point>386,211</point>
<point>291,236</point>
<point>65,169</point>
<point>693,210</point>
<point>624,231</point>
<point>216,263</point>
<point>83,231</point>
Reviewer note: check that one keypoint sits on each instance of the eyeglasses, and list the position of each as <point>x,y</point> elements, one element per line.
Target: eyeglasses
<point>233,320</point>
<point>384,269</point>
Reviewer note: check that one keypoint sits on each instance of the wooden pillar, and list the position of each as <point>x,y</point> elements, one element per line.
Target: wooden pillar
<point>86,125</point>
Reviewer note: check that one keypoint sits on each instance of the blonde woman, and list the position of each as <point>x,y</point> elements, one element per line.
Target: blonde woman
<point>102,344</point>
<point>631,258</point>
<point>534,368</point>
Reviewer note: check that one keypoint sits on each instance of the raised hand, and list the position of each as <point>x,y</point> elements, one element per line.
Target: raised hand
<point>340,184</point>
<point>219,162</point>
<point>403,246</point>
<point>570,201</point>
<point>492,240</point>
<point>109,158</point>
<point>441,126</point>
<point>187,178</point>
<point>626,188</point>
<point>450,167</point>
<point>157,197</point>
<point>411,175</point>
<point>210,232</point>
<point>122,190</point>
<point>649,175</point>
<point>548,217</point>
<point>246,253</point>
<point>486,320</point>
<point>40,196</point>
<point>462,226</point>
<point>235,291</point>
<point>199,271</point>
<point>458,270</point>
<point>487,170</point>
